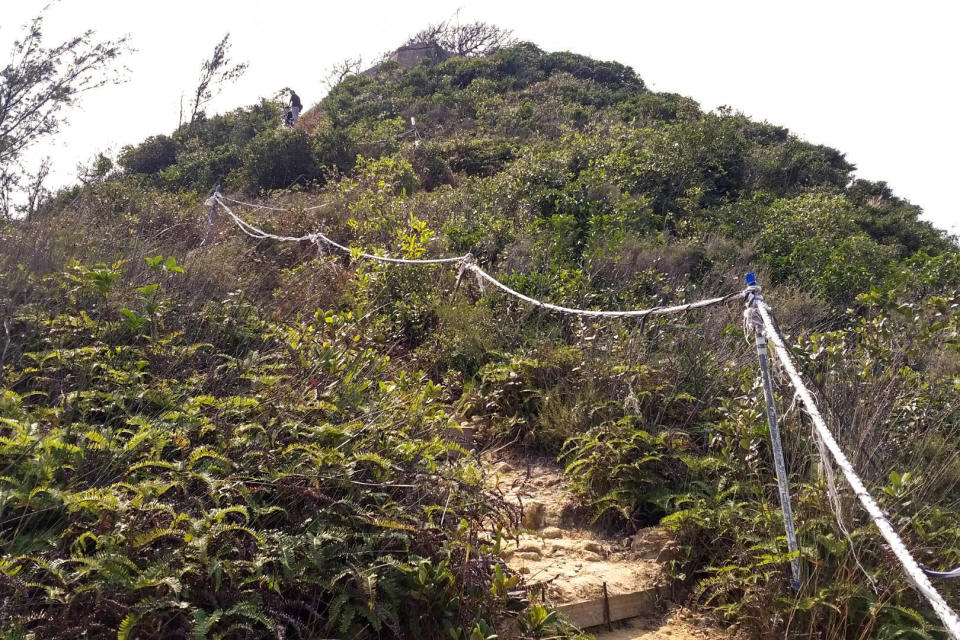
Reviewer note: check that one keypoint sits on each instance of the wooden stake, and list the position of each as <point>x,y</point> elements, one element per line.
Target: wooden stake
<point>606,608</point>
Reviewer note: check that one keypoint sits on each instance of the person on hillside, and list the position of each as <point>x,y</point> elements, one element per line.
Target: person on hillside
<point>295,107</point>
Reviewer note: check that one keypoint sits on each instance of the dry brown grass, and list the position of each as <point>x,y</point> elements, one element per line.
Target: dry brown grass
<point>312,119</point>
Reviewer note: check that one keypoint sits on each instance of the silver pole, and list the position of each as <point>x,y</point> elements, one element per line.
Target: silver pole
<point>753,299</point>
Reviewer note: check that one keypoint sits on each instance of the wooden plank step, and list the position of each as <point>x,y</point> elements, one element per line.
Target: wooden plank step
<point>589,613</point>
<point>464,436</point>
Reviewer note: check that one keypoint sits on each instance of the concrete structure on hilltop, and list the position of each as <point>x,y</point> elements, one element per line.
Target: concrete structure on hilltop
<point>410,55</point>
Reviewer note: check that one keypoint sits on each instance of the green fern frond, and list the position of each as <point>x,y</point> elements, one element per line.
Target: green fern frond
<point>149,537</point>
<point>127,625</point>
<point>203,623</point>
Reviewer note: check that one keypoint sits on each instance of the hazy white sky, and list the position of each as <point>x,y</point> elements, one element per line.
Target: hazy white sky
<point>877,80</point>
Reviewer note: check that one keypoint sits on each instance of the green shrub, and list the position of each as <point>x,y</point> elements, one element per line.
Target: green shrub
<point>201,168</point>
<point>431,167</point>
<point>336,148</point>
<point>813,241</point>
<point>252,491</point>
<point>646,108</point>
<point>478,156</point>
<point>279,158</point>
<point>153,155</point>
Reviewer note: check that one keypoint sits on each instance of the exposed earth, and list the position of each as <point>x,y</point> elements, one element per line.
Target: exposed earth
<point>565,561</point>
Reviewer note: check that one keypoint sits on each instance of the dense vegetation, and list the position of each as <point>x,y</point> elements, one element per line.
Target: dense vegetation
<point>244,439</point>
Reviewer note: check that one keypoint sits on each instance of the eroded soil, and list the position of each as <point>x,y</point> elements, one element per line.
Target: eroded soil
<point>564,560</point>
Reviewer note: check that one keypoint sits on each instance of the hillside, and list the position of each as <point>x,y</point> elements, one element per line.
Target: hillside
<point>206,434</point>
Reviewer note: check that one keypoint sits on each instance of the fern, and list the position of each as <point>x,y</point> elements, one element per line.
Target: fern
<point>251,611</point>
<point>203,623</point>
<point>127,625</point>
<point>146,538</point>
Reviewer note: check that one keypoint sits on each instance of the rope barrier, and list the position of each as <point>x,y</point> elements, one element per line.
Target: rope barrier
<point>371,256</point>
<point>253,231</point>
<point>260,234</point>
<point>637,313</point>
<point>910,566</point>
<point>763,320</point>
<point>466,263</point>
<point>263,206</point>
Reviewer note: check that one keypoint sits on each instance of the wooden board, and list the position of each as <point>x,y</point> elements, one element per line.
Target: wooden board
<point>589,613</point>
<point>463,437</point>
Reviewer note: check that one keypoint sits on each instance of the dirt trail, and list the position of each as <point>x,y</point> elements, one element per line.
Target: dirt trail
<point>567,562</point>
<point>679,624</point>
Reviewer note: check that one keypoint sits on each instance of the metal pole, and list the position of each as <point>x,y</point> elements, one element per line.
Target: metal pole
<point>753,299</point>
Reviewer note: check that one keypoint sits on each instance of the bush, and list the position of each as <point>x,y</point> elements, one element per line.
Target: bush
<point>201,168</point>
<point>813,241</point>
<point>479,156</point>
<point>234,128</point>
<point>611,74</point>
<point>336,148</point>
<point>278,159</point>
<point>430,166</point>
<point>786,168</point>
<point>153,155</point>
<point>646,108</point>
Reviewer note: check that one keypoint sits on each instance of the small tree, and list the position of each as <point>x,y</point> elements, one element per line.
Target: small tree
<point>153,155</point>
<point>36,88</point>
<point>23,194</point>
<point>36,190</point>
<point>214,73</point>
<point>471,39</point>
<point>341,70</point>
<point>96,169</point>
<point>8,183</point>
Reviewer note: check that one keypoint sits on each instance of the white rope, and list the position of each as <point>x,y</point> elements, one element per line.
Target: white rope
<point>371,256</point>
<point>263,206</point>
<point>260,234</point>
<point>654,311</point>
<point>911,567</point>
<point>466,263</point>
<point>255,232</point>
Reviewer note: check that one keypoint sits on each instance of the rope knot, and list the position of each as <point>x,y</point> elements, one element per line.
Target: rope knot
<point>462,265</point>
<point>466,262</point>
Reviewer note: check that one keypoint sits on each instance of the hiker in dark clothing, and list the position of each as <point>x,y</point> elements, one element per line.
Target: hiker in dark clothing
<point>295,107</point>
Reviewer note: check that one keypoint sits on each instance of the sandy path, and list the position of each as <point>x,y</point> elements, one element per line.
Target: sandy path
<point>679,624</point>
<point>571,561</point>
<point>565,561</point>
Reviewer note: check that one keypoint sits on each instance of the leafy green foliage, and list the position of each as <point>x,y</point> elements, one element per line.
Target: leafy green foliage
<point>229,497</point>
<point>153,155</point>
<point>277,159</point>
<point>249,440</point>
